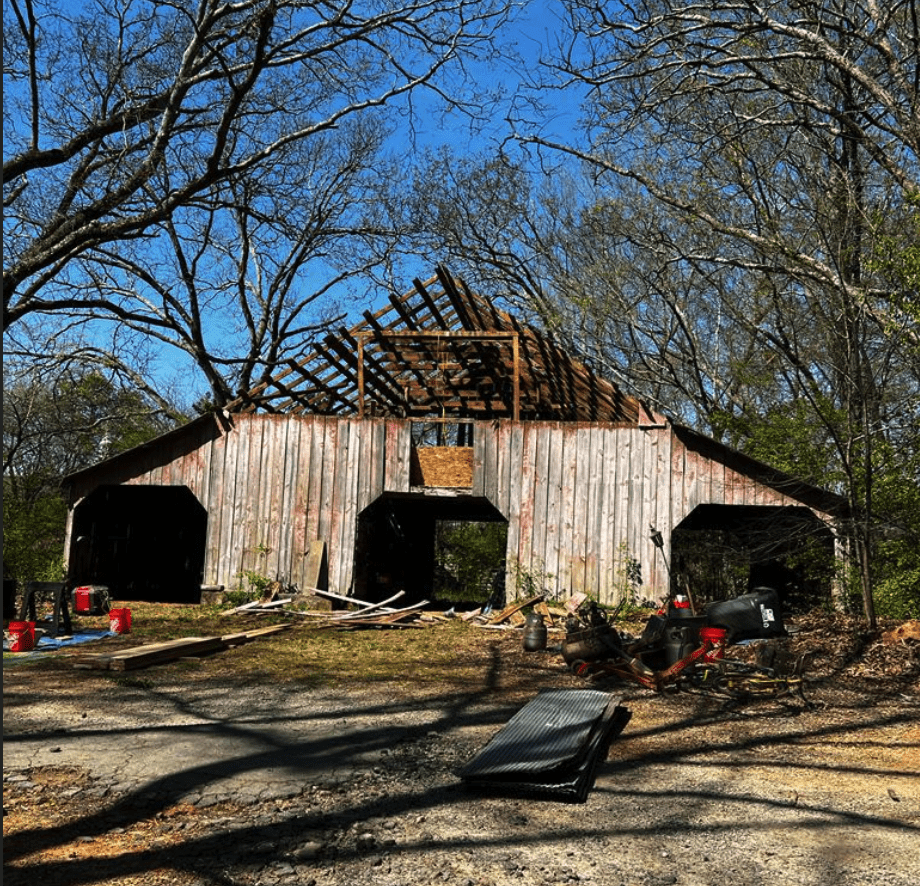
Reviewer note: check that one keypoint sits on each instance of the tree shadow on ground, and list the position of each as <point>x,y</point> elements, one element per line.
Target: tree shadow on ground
<point>306,745</point>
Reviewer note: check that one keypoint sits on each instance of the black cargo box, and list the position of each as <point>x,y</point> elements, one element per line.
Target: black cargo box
<point>751,616</point>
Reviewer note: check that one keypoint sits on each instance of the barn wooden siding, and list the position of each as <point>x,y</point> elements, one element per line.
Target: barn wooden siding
<point>579,498</point>
<point>272,484</point>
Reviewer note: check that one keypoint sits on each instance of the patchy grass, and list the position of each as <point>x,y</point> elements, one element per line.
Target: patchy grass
<point>450,655</point>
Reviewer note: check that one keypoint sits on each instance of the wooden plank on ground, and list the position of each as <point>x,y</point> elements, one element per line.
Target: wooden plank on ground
<point>152,653</point>
<point>514,607</point>
<point>245,636</point>
<point>373,623</point>
<point>543,609</point>
<point>382,605</point>
<point>170,650</point>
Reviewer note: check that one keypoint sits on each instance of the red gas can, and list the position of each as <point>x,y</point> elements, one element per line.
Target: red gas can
<point>91,600</point>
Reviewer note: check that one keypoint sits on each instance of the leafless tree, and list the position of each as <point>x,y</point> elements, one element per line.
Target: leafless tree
<point>734,227</point>
<point>203,173</point>
<point>777,141</point>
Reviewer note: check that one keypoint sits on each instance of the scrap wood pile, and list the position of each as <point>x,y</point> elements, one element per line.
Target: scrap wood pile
<point>368,615</point>
<point>382,615</point>
<point>512,616</point>
<point>839,646</point>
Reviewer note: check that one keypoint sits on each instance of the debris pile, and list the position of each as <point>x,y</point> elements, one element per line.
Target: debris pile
<point>681,648</point>
<point>382,615</point>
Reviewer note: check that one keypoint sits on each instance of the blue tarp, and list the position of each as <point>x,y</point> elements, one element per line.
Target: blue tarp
<point>50,644</point>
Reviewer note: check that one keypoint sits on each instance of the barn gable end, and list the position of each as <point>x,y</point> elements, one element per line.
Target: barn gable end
<point>581,472</point>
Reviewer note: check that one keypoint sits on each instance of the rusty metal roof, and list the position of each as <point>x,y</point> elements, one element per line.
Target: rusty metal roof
<point>441,350</point>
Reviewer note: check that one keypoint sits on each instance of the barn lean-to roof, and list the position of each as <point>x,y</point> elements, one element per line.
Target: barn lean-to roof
<point>442,350</point>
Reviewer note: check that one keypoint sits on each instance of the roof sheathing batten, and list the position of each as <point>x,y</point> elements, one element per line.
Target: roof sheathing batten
<point>441,350</point>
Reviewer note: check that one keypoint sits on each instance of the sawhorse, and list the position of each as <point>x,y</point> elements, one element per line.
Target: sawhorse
<point>61,609</point>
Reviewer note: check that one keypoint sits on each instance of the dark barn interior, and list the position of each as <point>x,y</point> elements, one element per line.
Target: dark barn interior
<point>142,542</point>
<point>396,542</point>
<point>725,550</point>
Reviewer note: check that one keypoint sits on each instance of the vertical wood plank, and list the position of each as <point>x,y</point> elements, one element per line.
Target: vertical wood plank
<point>537,567</point>
<point>555,506</point>
<point>581,490</point>
<point>289,564</point>
<point>621,538</point>
<point>314,501</point>
<point>300,437</point>
<point>606,525</point>
<point>515,502</point>
<point>213,569</point>
<point>659,585</point>
<point>349,496</point>
<point>520,557</point>
<point>591,469</point>
<point>328,458</point>
<point>228,486</point>
<point>399,439</point>
<point>678,481</point>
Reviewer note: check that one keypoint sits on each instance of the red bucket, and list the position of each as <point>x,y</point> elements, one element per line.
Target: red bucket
<point>120,621</point>
<point>22,636</point>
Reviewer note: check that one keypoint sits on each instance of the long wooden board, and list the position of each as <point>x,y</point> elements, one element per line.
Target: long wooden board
<point>170,650</point>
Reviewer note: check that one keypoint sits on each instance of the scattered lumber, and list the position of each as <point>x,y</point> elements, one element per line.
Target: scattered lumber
<point>342,597</point>
<point>544,610</point>
<point>254,604</point>
<point>508,611</point>
<point>149,654</point>
<point>394,618</point>
<point>170,650</point>
<point>245,636</point>
<point>378,615</point>
<point>370,606</point>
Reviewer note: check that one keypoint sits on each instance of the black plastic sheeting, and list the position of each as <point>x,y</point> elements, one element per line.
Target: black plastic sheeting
<point>550,748</point>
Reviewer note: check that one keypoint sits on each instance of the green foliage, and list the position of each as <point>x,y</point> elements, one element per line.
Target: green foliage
<point>897,587</point>
<point>469,557</point>
<point>53,426</point>
<point>896,554</point>
<point>33,535</point>
<point>787,437</point>
<point>257,584</point>
<point>627,581</point>
<point>896,257</point>
<point>530,583</point>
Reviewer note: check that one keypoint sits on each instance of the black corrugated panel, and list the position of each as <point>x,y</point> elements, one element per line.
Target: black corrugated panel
<point>551,747</point>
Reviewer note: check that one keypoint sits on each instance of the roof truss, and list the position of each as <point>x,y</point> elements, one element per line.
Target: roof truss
<point>441,351</point>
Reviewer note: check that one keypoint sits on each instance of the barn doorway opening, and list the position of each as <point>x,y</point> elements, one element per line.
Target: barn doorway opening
<point>722,551</point>
<point>447,549</point>
<point>142,542</point>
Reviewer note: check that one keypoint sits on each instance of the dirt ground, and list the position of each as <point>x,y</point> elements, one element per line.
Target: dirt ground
<point>697,789</point>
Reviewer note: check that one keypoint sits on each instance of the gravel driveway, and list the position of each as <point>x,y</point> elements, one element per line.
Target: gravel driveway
<point>209,783</point>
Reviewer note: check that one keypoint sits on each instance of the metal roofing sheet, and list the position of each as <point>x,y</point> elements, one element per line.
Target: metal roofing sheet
<point>551,731</point>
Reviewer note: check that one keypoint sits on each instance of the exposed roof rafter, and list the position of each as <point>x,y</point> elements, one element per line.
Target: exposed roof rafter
<point>442,349</point>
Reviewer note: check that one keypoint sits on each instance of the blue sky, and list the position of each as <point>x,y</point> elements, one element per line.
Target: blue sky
<point>532,33</point>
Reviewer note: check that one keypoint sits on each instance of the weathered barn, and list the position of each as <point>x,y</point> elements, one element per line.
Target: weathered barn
<point>438,407</point>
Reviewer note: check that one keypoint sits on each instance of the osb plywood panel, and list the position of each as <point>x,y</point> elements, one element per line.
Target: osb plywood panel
<point>442,466</point>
